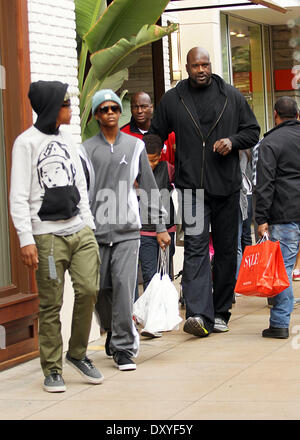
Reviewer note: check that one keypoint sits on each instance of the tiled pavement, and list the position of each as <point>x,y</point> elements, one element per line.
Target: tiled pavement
<point>237,375</point>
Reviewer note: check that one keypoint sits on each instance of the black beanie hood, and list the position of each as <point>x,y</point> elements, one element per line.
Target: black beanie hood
<point>46,98</point>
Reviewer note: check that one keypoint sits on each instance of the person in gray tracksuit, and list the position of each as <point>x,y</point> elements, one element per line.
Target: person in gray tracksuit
<point>117,162</point>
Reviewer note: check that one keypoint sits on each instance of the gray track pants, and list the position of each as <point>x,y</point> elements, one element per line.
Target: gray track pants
<point>118,273</point>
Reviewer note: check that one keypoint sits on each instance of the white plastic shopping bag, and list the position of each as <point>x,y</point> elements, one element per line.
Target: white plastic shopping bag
<point>157,309</point>
<point>136,343</point>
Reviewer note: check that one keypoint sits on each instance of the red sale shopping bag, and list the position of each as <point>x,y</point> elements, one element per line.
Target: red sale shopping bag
<point>262,271</point>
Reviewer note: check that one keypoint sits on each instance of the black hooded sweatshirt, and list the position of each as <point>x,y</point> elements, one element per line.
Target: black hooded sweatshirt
<point>46,98</point>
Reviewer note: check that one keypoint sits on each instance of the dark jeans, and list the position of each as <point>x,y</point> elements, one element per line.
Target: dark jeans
<point>197,285</point>
<point>246,238</point>
<point>148,257</point>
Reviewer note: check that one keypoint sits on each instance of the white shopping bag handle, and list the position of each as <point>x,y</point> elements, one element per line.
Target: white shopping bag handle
<point>265,237</point>
<point>163,261</point>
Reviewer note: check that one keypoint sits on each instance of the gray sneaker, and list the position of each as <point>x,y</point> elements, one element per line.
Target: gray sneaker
<point>86,368</point>
<point>195,326</point>
<point>220,326</point>
<point>54,383</point>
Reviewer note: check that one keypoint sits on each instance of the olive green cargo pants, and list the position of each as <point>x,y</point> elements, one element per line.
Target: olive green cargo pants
<point>79,254</point>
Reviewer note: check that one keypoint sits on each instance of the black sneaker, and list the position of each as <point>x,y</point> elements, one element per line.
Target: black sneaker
<point>277,333</point>
<point>54,383</point>
<point>107,349</point>
<point>195,326</point>
<point>123,361</point>
<point>86,368</point>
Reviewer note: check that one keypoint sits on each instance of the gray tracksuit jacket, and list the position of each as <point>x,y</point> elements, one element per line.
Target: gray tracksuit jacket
<point>113,171</point>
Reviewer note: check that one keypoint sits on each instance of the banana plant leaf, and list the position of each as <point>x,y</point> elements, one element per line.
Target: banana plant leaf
<point>112,35</point>
<point>91,129</point>
<point>87,13</point>
<point>122,54</point>
<point>93,83</point>
<point>126,113</point>
<point>122,19</point>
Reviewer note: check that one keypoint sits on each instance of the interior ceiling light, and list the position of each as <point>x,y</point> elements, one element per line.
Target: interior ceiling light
<point>232,33</point>
<point>240,35</point>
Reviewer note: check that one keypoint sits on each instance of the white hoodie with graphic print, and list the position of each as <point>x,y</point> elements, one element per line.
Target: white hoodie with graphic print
<point>48,187</point>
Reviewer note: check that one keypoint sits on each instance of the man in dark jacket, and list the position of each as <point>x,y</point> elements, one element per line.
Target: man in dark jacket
<point>211,121</point>
<point>278,201</point>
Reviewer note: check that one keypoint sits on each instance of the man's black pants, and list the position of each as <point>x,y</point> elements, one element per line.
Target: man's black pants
<point>209,295</point>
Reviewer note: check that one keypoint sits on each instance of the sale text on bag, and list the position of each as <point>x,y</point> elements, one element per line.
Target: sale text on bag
<point>251,260</point>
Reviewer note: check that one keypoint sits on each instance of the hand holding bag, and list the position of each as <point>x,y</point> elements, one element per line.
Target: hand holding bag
<point>262,271</point>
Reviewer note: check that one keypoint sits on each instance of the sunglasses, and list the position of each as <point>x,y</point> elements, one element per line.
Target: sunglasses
<point>66,104</point>
<point>106,108</point>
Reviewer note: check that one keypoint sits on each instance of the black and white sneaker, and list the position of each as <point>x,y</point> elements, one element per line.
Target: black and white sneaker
<point>54,383</point>
<point>86,368</point>
<point>123,361</point>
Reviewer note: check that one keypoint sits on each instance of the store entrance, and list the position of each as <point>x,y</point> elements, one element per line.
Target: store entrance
<point>247,65</point>
<point>248,53</point>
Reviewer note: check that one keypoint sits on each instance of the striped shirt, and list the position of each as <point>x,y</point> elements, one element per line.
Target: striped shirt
<point>254,162</point>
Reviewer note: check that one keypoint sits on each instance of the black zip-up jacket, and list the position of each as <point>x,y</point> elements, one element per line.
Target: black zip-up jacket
<point>278,175</point>
<point>196,165</point>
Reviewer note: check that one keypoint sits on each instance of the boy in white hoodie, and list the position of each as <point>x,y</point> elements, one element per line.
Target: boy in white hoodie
<point>50,210</point>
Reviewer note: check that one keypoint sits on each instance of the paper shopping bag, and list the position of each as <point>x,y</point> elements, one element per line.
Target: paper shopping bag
<point>262,271</point>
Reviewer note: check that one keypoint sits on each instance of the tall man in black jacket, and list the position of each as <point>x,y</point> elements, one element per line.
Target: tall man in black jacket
<point>278,201</point>
<point>211,121</point>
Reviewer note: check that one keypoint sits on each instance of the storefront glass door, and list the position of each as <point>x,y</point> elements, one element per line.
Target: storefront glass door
<point>249,65</point>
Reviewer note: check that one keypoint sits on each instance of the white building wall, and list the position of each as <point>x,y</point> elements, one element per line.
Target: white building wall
<point>53,56</point>
<point>52,44</point>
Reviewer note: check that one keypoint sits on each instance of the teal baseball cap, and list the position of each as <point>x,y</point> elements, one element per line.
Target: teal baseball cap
<point>105,95</point>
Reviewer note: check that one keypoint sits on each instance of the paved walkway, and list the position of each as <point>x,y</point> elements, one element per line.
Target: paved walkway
<point>237,375</point>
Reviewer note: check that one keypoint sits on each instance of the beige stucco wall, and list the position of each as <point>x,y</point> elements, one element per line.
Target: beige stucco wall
<point>201,28</point>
